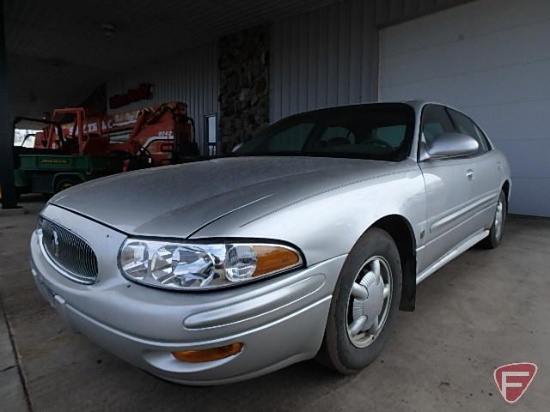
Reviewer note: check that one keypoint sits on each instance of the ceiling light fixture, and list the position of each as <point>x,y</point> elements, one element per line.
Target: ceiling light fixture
<point>108,29</point>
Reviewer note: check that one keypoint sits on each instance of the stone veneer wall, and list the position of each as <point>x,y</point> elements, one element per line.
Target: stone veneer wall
<point>244,85</point>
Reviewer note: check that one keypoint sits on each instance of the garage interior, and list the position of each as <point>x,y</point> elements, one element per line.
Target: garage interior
<point>240,65</point>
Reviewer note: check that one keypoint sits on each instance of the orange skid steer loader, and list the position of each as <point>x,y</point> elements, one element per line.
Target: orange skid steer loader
<point>77,145</point>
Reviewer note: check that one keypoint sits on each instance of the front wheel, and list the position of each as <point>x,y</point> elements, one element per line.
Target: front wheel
<point>364,305</point>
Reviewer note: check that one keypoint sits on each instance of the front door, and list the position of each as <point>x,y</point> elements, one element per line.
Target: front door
<point>449,193</point>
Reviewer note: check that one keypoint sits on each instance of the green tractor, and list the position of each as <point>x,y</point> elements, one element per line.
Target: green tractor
<point>77,145</point>
<point>55,163</point>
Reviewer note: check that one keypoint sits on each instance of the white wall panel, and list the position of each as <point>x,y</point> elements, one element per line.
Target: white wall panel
<point>490,58</point>
<point>322,58</point>
<point>191,77</point>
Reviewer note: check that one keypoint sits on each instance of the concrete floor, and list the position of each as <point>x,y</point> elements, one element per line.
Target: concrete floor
<point>485,309</point>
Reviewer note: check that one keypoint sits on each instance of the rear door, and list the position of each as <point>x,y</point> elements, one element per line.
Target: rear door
<point>450,192</point>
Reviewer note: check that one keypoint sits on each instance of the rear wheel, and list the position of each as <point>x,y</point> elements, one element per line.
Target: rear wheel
<point>66,183</point>
<point>364,304</point>
<point>499,221</point>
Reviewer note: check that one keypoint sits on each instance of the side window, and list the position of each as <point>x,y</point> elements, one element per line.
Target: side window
<point>466,126</point>
<point>435,121</point>
<point>484,138</point>
<point>337,135</point>
<point>291,139</point>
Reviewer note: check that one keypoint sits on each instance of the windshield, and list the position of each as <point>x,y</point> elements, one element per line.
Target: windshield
<point>373,131</point>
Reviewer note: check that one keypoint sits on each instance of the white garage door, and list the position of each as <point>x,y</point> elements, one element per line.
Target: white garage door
<point>491,59</point>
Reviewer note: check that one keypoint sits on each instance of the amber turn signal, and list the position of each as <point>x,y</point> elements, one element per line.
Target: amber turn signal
<point>273,259</point>
<point>208,355</point>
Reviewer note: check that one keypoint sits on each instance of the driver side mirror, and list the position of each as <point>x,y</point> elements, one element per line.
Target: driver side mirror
<point>446,145</point>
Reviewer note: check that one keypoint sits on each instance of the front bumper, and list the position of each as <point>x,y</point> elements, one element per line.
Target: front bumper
<point>280,321</point>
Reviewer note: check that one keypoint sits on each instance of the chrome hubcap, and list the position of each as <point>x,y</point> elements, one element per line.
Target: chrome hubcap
<point>369,301</point>
<point>499,218</point>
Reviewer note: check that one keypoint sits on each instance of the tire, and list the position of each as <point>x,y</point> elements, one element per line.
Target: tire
<point>66,183</point>
<point>499,223</point>
<point>351,343</point>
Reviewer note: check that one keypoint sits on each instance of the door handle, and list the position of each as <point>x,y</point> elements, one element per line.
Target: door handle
<point>470,174</point>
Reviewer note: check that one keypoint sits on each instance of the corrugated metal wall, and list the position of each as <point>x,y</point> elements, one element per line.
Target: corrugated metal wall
<point>191,77</point>
<point>322,58</point>
<point>396,11</point>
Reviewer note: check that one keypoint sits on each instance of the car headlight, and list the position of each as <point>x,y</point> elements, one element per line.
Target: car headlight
<point>197,266</point>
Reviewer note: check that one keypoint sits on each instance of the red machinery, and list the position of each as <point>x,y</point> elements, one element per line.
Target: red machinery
<point>152,136</point>
<point>76,145</point>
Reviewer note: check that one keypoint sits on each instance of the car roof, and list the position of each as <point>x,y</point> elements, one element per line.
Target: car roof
<point>416,105</point>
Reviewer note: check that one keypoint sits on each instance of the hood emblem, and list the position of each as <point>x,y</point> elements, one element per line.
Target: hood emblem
<point>55,243</point>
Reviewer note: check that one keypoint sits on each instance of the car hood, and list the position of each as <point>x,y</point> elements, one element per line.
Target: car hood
<point>177,201</point>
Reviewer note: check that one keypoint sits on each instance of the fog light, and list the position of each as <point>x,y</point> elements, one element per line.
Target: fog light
<point>208,355</point>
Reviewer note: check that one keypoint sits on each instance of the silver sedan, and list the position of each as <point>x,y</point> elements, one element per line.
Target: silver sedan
<point>304,243</point>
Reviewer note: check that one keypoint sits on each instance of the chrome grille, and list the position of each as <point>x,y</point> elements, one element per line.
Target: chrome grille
<point>69,252</point>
